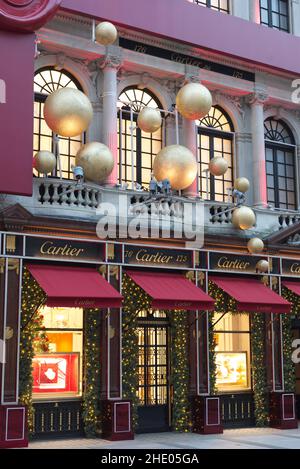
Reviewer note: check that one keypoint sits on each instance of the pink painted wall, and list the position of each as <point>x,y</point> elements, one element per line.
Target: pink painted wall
<point>16,113</point>
<point>193,24</point>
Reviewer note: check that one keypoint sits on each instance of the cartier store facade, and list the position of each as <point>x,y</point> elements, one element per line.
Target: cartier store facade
<point>117,338</point>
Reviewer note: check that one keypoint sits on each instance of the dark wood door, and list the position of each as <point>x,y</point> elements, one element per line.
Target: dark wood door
<point>154,368</point>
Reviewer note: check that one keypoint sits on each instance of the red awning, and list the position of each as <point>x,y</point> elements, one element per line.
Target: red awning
<point>75,287</point>
<point>252,295</point>
<point>293,286</point>
<point>172,291</point>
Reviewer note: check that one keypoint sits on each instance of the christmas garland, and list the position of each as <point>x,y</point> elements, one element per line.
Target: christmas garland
<point>31,322</point>
<point>91,385</point>
<point>289,372</point>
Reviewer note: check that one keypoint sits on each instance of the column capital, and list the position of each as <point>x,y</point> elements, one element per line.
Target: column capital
<point>112,59</point>
<point>259,96</point>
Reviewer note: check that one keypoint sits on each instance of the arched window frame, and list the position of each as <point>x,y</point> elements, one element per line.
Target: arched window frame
<point>43,136</point>
<point>275,17</point>
<point>281,169</point>
<point>218,5</point>
<point>215,137</point>
<point>154,142</point>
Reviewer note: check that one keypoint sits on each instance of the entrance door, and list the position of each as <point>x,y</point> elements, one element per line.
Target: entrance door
<point>154,392</point>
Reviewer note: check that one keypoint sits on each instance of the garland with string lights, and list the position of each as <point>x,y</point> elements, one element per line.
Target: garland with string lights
<point>181,417</point>
<point>91,358</point>
<point>32,298</point>
<point>224,303</point>
<point>289,371</point>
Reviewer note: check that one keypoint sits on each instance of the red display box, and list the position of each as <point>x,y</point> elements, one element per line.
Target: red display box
<point>56,373</point>
<point>206,415</point>
<point>283,411</point>
<point>13,427</point>
<point>117,420</point>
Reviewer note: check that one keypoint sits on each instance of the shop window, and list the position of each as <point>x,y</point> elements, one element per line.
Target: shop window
<point>215,139</point>
<point>232,338</point>
<point>275,14</point>
<point>219,5</point>
<point>280,165</point>
<point>57,362</point>
<point>143,147</point>
<point>46,81</point>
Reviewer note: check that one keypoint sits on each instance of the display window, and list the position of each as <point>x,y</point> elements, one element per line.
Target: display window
<point>57,363</point>
<point>232,352</point>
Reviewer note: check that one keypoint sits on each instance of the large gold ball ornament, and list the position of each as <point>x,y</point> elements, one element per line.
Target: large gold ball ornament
<point>106,33</point>
<point>176,163</point>
<point>149,120</point>
<point>218,166</point>
<point>255,245</point>
<point>242,184</point>
<point>97,161</point>
<point>243,218</point>
<point>193,101</point>
<point>262,266</point>
<point>44,162</point>
<point>68,112</point>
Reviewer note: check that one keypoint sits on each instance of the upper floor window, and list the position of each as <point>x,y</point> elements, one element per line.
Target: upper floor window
<point>275,14</point>
<point>219,5</point>
<point>215,139</point>
<point>280,164</point>
<point>46,81</point>
<point>136,151</point>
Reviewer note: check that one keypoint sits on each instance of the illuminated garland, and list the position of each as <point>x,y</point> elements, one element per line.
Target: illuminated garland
<point>224,303</point>
<point>32,298</point>
<point>91,388</point>
<point>212,356</point>
<point>289,371</point>
<point>181,417</point>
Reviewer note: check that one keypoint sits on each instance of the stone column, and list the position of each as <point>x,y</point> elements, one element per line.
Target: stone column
<point>243,160</point>
<point>255,11</point>
<point>189,129</point>
<point>295,17</point>
<point>259,182</point>
<point>110,65</point>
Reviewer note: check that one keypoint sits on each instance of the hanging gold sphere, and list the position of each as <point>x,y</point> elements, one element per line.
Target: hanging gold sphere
<point>149,120</point>
<point>243,218</point>
<point>242,184</point>
<point>255,245</point>
<point>193,101</point>
<point>44,162</point>
<point>176,163</point>
<point>97,161</point>
<point>106,33</point>
<point>68,112</point>
<point>218,166</point>
<point>262,266</point>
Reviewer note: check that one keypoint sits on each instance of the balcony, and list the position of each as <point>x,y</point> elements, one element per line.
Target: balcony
<point>62,199</point>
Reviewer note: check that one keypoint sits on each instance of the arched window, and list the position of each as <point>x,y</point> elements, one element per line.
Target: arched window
<point>280,164</point>
<point>142,146</point>
<point>46,81</point>
<point>215,138</point>
<point>275,14</point>
<point>219,5</point>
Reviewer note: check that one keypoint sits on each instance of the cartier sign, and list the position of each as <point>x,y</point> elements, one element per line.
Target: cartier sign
<point>64,249</point>
<point>291,267</point>
<point>232,262</point>
<point>157,257</point>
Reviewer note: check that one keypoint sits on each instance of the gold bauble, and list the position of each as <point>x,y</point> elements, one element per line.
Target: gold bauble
<point>149,120</point>
<point>44,162</point>
<point>106,33</point>
<point>242,184</point>
<point>218,166</point>
<point>68,112</point>
<point>243,218</point>
<point>177,164</point>
<point>262,266</point>
<point>193,101</point>
<point>255,245</point>
<point>97,161</point>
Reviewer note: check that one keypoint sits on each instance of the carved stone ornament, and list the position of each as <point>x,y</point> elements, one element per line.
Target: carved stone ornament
<point>26,15</point>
